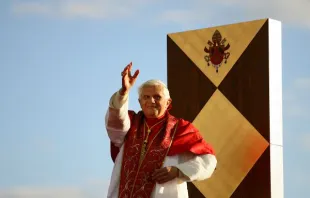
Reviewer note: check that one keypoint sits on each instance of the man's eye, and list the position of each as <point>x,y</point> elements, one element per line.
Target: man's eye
<point>145,97</point>
<point>157,97</point>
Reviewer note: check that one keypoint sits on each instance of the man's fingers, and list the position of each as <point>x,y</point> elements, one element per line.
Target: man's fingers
<point>162,177</point>
<point>161,170</point>
<point>127,67</point>
<point>135,75</point>
<point>163,180</point>
<point>165,174</point>
<point>159,175</point>
<point>124,72</point>
<point>127,72</point>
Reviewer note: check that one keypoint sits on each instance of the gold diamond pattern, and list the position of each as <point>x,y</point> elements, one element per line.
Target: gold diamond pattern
<point>237,143</point>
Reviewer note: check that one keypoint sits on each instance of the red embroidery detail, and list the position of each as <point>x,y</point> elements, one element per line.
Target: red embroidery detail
<point>136,178</point>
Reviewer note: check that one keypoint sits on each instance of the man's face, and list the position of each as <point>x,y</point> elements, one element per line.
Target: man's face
<point>153,102</point>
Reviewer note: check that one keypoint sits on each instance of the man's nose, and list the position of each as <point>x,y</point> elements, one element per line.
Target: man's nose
<point>152,99</point>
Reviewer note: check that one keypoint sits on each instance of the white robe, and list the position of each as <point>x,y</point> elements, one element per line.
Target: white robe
<point>193,168</point>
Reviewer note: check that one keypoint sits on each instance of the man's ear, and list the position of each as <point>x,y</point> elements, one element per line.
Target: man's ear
<point>169,106</point>
<point>169,101</point>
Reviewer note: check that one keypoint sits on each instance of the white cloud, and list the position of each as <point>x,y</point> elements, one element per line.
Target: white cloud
<point>96,9</point>
<point>231,11</point>
<point>93,189</point>
<point>31,7</point>
<point>285,10</point>
<point>177,16</point>
<point>180,12</point>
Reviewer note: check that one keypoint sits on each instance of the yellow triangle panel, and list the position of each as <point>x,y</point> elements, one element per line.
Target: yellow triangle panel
<point>233,40</point>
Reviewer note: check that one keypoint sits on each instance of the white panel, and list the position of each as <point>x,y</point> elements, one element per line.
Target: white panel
<point>275,82</point>
<point>276,166</point>
<point>275,97</point>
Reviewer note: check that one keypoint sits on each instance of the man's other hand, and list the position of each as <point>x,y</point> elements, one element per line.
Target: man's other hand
<point>165,174</point>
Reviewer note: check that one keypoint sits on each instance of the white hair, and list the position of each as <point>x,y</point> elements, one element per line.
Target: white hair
<point>155,82</point>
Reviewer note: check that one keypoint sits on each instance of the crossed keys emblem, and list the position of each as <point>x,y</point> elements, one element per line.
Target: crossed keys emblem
<point>217,51</point>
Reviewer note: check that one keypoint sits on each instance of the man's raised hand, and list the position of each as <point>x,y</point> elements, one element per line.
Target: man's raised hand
<point>127,79</point>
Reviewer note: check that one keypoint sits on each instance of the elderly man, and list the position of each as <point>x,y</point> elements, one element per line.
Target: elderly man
<point>154,153</point>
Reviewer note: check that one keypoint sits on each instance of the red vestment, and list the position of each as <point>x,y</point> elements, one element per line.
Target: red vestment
<point>172,137</point>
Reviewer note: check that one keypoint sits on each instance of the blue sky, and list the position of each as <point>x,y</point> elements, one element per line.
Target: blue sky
<point>60,61</point>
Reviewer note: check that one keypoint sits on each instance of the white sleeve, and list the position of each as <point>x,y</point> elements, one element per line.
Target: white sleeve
<point>196,167</point>
<point>117,120</point>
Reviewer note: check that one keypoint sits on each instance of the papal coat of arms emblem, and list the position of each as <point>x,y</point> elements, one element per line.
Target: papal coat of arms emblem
<point>217,51</point>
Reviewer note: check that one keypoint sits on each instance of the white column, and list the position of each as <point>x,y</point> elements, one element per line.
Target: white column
<point>275,99</point>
